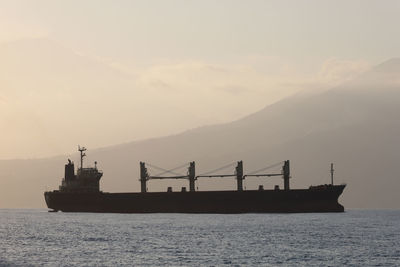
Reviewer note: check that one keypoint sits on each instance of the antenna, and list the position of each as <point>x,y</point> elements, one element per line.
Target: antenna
<point>332,170</point>
<point>82,150</point>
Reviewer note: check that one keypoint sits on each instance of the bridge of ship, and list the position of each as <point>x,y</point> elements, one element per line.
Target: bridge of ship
<point>191,176</point>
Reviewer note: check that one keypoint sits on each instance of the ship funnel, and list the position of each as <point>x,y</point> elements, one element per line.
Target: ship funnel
<point>69,171</point>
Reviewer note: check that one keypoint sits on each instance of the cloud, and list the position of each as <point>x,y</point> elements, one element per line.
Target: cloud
<point>228,91</point>
<point>126,104</point>
<point>3,100</point>
<point>227,86</point>
<point>233,89</point>
<point>335,71</point>
<point>13,29</point>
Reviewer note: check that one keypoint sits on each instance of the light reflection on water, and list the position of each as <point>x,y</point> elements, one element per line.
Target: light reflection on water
<point>359,238</point>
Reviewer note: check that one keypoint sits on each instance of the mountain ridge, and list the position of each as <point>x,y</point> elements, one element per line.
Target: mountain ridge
<point>356,129</point>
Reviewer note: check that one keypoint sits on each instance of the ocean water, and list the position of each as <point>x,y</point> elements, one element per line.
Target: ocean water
<point>353,238</point>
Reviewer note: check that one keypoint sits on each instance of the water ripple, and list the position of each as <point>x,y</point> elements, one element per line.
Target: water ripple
<point>353,238</point>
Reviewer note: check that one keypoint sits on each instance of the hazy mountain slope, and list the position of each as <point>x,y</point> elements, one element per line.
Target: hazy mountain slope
<point>355,125</point>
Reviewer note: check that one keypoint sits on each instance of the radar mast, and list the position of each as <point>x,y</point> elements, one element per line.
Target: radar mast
<point>82,151</point>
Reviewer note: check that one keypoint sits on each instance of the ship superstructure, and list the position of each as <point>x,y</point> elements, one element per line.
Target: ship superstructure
<point>85,179</point>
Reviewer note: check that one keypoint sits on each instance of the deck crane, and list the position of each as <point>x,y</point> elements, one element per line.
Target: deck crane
<point>191,174</point>
<point>238,173</point>
<point>240,176</point>
<point>144,175</point>
<point>285,173</point>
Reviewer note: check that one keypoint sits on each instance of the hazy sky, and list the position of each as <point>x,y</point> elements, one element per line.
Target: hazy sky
<point>98,73</point>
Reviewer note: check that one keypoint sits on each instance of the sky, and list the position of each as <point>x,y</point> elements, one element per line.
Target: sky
<point>99,73</point>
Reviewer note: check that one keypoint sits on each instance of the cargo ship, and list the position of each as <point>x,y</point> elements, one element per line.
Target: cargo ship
<point>80,192</point>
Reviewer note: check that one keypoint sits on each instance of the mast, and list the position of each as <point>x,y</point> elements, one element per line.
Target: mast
<point>239,175</point>
<point>192,176</point>
<point>286,174</point>
<point>82,150</point>
<point>332,170</point>
<point>143,177</point>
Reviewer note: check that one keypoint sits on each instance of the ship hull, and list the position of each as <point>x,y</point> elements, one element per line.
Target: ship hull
<point>249,201</point>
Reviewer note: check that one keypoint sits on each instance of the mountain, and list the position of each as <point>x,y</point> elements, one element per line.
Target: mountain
<point>355,125</point>
<point>62,97</point>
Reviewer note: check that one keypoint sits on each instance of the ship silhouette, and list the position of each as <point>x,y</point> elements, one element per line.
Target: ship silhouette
<point>80,192</point>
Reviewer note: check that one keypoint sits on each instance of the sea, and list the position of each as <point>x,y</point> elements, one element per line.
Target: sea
<point>352,238</point>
